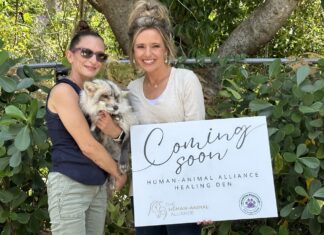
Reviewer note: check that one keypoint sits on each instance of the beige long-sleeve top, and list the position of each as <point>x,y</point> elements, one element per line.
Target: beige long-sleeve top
<point>182,100</point>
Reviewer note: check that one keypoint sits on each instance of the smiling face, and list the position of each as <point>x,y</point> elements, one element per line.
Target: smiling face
<point>85,68</point>
<point>150,51</point>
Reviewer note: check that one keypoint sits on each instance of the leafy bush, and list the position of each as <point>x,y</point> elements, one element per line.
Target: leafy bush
<point>120,219</point>
<point>292,99</point>
<point>24,150</point>
<point>25,155</point>
<point>291,96</point>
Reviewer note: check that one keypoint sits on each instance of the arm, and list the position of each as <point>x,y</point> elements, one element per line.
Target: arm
<point>193,98</point>
<point>194,107</point>
<point>65,102</point>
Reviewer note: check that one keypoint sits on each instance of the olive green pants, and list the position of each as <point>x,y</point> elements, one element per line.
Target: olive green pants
<point>75,208</point>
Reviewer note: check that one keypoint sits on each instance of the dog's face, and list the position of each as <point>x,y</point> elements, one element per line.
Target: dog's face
<point>105,94</point>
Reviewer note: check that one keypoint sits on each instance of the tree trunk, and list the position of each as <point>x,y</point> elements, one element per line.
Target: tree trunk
<point>253,33</point>
<point>259,28</point>
<point>116,13</point>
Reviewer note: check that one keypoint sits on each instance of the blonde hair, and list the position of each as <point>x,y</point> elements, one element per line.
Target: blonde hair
<point>150,14</point>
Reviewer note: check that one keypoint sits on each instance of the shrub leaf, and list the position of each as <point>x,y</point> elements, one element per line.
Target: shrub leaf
<point>257,105</point>
<point>319,193</point>
<point>301,191</point>
<point>22,140</point>
<point>310,162</point>
<point>302,74</point>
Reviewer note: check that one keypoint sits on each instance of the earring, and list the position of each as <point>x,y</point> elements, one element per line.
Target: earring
<point>166,59</point>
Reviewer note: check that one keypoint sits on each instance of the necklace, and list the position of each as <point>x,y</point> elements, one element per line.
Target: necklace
<point>157,84</point>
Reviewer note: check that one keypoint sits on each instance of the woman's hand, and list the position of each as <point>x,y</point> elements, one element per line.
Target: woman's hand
<point>120,181</point>
<point>107,125</point>
<point>205,222</point>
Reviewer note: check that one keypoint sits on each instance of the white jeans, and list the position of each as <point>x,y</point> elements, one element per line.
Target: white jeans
<point>75,208</point>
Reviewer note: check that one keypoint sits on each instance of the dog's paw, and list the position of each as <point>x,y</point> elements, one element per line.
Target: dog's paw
<point>123,168</point>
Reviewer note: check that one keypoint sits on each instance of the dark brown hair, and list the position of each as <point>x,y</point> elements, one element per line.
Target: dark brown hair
<point>82,30</point>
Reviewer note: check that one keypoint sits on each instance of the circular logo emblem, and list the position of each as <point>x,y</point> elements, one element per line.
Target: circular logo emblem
<point>250,203</point>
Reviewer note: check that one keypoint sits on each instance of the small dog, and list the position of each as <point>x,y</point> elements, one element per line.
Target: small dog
<point>104,95</point>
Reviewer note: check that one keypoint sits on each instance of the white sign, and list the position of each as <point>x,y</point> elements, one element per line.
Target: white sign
<point>202,170</point>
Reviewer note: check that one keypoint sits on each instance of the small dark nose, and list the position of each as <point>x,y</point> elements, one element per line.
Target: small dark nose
<point>115,107</point>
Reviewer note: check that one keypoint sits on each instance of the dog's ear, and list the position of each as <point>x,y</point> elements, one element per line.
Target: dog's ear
<point>90,88</point>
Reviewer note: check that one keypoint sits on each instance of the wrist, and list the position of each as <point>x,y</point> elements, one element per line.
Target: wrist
<point>118,174</point>
<point>115,131</point>
<point>120,137</point>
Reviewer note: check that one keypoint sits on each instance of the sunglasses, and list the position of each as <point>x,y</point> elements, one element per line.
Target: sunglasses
<point>87,53</point>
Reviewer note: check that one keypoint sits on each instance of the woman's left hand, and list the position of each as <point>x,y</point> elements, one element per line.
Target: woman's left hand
<point>205,222</point>
<point>107,125</point>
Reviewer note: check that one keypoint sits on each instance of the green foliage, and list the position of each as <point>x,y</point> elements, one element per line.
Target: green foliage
<point>41,30</point>
<point>301,35</point>
<point>201,27</point>
<point>119,213</point>
<point>292,98</point>
<point>25,156</point>
<point>24,151</point>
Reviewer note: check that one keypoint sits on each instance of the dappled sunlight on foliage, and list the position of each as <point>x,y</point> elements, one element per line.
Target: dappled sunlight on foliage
<point>42,32</point>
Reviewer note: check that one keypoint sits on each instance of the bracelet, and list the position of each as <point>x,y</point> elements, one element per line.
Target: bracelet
<point>120,138</point>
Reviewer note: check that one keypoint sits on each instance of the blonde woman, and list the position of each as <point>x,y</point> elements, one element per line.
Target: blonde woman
<point>164,93</point>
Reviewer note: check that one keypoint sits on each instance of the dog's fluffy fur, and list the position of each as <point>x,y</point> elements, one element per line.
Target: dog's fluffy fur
<point>105,95</point>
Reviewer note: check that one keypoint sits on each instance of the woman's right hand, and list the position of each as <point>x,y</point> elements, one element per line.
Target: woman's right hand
<point>106,124</point>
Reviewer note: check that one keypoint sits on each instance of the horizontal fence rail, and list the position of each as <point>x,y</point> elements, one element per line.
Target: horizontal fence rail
<point>193,61</point>
<point>60,69</point>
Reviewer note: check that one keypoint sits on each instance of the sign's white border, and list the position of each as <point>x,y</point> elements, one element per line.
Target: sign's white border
<point>202,170</point>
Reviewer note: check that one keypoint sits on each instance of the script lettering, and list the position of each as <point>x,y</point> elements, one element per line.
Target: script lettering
<point>156,136</point>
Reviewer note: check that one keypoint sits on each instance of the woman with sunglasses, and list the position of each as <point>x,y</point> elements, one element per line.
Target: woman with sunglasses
<point>76,188</point>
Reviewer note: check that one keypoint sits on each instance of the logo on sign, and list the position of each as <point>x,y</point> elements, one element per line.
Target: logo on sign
<point>250,203</point>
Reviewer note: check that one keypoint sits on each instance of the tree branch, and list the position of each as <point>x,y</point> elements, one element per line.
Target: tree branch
<point>96,5</point>
<point>259,28</point>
